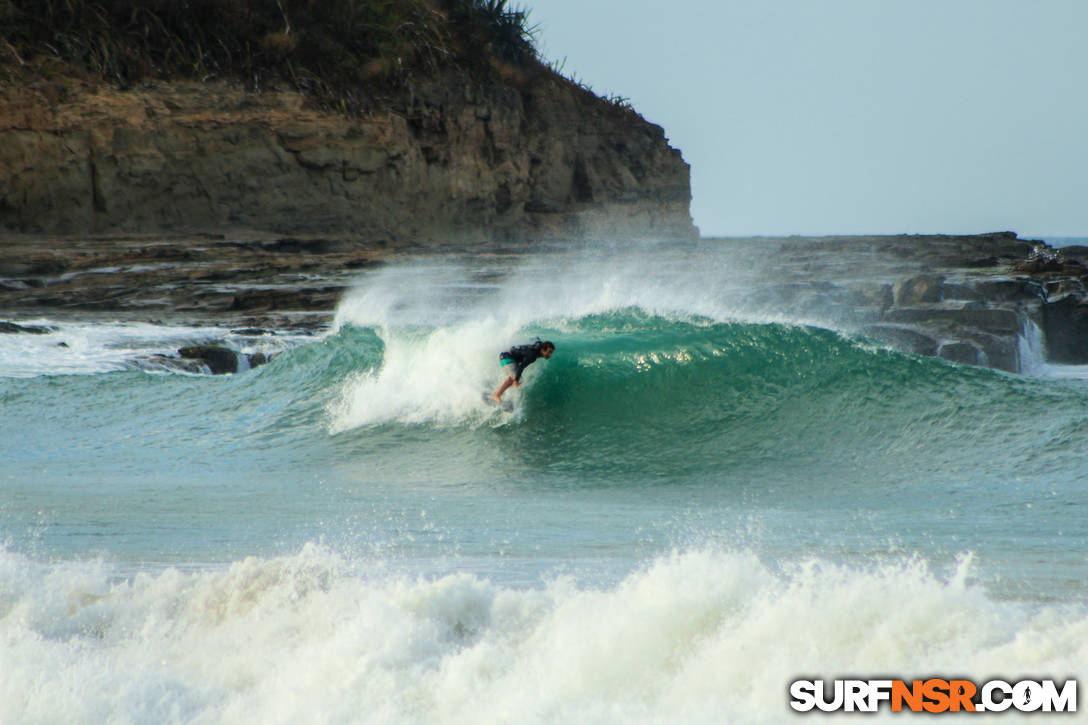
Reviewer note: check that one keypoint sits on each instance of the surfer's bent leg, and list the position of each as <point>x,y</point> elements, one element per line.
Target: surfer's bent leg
<point>497,397</point>
<point>510,369</point>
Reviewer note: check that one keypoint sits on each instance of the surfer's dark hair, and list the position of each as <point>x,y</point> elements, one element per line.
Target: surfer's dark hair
<point>545,344</point>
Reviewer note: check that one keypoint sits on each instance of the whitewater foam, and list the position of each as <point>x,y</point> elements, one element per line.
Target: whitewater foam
<point>696,636</point>
<point>87,348</point>
<point>432,376</point>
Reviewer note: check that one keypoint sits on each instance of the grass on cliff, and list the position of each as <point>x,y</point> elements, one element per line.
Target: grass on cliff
<point>332,49</point>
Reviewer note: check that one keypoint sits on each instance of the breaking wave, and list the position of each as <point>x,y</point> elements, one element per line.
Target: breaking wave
<point>695,636</point>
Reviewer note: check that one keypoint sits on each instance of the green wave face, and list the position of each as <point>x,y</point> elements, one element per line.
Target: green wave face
<point>631,393</point>
<point>628,399</point>
<point>635,397</point>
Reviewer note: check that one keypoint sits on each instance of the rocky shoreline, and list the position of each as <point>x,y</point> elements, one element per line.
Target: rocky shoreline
<point>993,300</point>
<point>980,300</point>
<point>250,281</point>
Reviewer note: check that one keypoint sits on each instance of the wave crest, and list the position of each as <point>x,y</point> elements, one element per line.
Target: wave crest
<point>696,636</point>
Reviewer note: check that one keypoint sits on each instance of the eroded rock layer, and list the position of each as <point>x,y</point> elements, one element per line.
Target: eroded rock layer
<point>459,160</point>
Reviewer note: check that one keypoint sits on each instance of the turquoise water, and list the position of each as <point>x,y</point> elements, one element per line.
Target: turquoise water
<point>691,505</point>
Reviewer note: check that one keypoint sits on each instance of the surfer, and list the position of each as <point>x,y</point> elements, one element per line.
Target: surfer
<point>516,359</point>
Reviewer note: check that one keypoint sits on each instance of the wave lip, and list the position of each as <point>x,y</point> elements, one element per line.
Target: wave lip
<point>694,636</point>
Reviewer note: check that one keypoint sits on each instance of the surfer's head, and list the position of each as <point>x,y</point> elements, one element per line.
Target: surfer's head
<point>546,349</point>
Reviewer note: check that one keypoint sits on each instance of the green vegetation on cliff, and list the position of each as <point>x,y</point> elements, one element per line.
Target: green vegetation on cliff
<point>392,120</point>
<point>338,51</point>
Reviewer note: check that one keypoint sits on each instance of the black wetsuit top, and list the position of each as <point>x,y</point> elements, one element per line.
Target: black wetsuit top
<point>523,356</point>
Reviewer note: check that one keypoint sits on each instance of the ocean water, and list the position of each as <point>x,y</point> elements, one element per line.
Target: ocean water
<point>1066,241</point>
<point>698,499</point>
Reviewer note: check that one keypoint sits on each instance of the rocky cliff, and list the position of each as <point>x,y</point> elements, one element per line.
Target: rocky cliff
<point>457,160</point>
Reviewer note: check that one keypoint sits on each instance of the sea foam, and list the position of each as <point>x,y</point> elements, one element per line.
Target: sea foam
<point>88,348</point>
<point>694,636</point>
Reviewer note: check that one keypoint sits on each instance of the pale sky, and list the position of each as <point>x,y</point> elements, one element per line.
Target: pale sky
<point>852,116</point>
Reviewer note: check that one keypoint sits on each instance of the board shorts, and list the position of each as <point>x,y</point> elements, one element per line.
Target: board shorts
<point>509,366</point>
